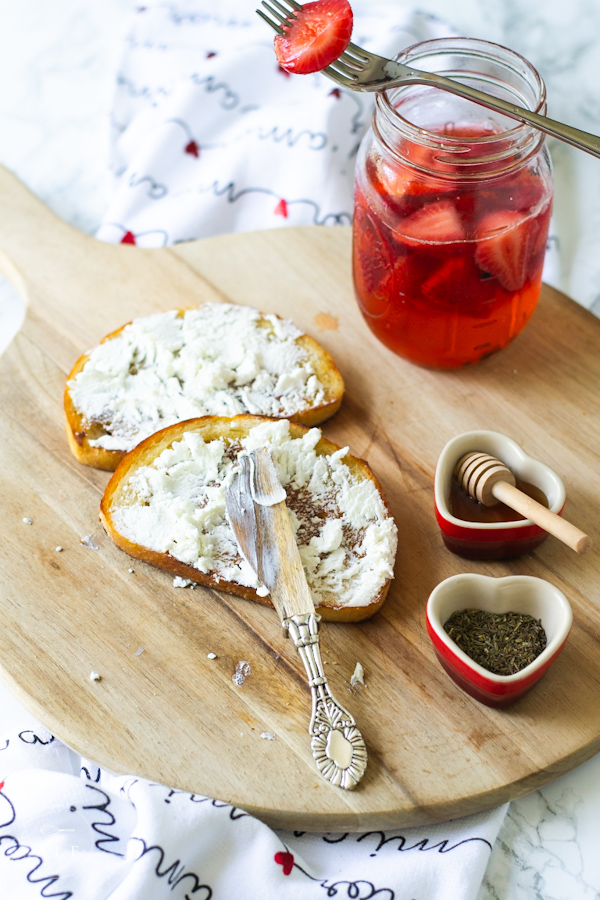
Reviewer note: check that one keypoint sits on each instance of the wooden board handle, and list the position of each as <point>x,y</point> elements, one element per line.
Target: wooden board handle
<point>50,263</point>
<point>29,231</point>
<point>68,273</point>
<point>566,532</point>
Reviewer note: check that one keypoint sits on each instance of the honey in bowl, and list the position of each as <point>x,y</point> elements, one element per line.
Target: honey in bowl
<point>462,506</point>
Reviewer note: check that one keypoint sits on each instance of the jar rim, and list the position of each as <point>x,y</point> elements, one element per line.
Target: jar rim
<point>522,136</point>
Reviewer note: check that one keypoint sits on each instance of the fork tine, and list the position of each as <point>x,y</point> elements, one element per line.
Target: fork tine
<point>280,17</point>
<point>356,56</point>
<point>352,61</point>
<point>335,76</point>
<point>342,80</point>
<point>360,52</point>
<point>295,7</point>
<point>347,71</point>
<point>273,25</point>
<point>283,10</point>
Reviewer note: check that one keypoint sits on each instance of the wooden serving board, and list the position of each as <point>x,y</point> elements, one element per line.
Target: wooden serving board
<point>171,714</point>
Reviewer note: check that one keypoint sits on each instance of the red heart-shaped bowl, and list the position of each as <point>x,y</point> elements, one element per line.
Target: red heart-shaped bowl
<point>515,593</point>
<point>493,540</point>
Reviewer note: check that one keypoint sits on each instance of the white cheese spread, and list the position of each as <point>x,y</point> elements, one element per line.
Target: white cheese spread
<point>346,537</point>
<point>218,359</point>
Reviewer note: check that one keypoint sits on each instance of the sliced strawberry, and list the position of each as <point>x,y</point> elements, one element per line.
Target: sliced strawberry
<point>456,284</point>
<point>503,247</point>
<point>317,36</point>
<point>399,187</point>
<point>373,265</point>
<point>441,286</point>
<point>437,223</point>
<point>524,191</point>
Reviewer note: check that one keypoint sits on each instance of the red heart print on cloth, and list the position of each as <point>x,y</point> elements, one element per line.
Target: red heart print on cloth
<point>285,860</point>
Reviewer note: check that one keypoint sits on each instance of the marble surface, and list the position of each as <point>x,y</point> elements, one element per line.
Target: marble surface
<point>57,68</point>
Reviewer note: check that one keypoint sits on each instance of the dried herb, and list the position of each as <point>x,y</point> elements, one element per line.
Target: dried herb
<point>502,643</point>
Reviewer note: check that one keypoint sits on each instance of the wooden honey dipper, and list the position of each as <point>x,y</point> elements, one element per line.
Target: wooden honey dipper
<point>488,480</point>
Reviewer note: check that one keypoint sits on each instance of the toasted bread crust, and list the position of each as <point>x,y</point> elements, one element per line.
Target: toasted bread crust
<point>212,428</point>
<point>80,432</point>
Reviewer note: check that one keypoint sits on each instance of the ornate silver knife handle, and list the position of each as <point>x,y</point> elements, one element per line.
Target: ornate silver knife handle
<point>336,743</point>
<point>259,518</point>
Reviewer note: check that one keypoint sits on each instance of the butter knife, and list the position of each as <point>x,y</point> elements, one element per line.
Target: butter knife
<point>261,524</point>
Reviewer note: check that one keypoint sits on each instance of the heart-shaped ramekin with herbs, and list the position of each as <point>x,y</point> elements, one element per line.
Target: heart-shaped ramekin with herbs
<point>504,614</point>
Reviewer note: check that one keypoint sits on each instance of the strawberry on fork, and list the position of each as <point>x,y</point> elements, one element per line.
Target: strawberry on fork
<point>313,37</point>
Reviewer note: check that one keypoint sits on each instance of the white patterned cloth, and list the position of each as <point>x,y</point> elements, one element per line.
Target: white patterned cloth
<point>211,136</point>
<point>69,830</point>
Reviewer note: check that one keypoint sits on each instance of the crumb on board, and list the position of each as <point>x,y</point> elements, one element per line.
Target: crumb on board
<point>267,736</point>
<point>130,570</point>
<point>58,549</point>
<point>89,541</point>
<point>94,676</point>
<point>139,651</point>
<point>358,676</point>
<point>211,655</point>
<point>180,582</point>
<point>27,520</point>
<point>242,671</point>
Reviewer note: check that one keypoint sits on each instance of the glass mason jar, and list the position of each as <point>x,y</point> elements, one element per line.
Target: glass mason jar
<point>452,207</point>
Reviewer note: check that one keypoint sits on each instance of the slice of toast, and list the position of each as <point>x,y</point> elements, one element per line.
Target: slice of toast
<point>165,504</point>
<point>216,359</point>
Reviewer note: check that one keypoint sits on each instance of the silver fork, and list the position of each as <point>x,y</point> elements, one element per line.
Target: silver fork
<point>360,70</point>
